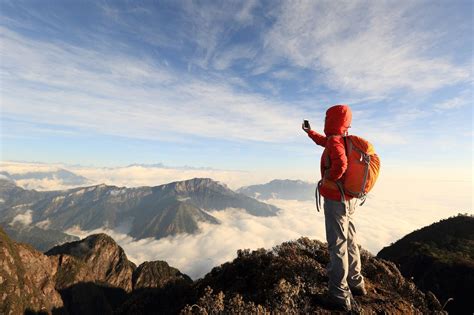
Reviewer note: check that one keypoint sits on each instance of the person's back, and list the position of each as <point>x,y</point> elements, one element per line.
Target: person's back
<point>344,269</point>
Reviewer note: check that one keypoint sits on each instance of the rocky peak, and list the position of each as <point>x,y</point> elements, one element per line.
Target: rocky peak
<point>86,247</point>
<point>291,278</point>
<point>208,194</point>
<point>96,258</point>
<point>157,274</point>
<point>194,185</point>
<point>26,279</point>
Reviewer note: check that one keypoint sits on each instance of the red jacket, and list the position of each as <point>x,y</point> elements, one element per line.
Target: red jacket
<point>338,121</point>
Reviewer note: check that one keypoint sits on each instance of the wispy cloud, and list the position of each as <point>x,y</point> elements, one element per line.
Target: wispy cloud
<point>243,73</point>
<point>373,48</point>
<point>224,59</point>
<point>101,92</point>
<point>454,103</point>
<point>212,24</point>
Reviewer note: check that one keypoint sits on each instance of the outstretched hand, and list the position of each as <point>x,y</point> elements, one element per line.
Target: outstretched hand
<point>307,130</point>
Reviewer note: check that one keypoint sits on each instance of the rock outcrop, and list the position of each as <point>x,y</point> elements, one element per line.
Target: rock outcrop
<point>90,276</point>
<point>27,279</point>
<point>157,274</point>
<point>96,258</point>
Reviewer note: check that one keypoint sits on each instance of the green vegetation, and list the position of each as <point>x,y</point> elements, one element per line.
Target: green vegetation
<point>450,241</point>
<point>440,258</point>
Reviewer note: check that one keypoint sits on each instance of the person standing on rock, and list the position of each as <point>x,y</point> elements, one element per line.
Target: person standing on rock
<point>344,270</point>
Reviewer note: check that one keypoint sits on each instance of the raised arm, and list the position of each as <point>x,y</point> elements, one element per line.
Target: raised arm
<point>319,139</point>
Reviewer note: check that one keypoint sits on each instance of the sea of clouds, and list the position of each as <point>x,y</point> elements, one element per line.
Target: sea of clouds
<point>393,210</point>
<point>397,206</point>
<point>129,176</point>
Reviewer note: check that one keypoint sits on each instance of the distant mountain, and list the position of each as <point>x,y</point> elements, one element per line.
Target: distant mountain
<point>281,189</point>
<point>440,258</point>
<point>153,165</point>
<point>208,194</point>
<point>149,211</point>
<point>40,239</point>
<point>33,180</point>
<point>13,195</point>
<point>167,216</point>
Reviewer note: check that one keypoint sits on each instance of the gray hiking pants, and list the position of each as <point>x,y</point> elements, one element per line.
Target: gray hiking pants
<point>344,264</point>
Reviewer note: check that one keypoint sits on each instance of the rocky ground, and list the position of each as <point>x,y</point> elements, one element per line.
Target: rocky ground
<point>94,276</point>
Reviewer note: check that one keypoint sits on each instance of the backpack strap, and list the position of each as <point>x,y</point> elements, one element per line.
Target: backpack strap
<point>317,195</point>
<point>341,191</point>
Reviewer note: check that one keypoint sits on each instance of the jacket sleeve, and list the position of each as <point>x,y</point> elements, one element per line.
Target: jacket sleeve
<point>337,154</point>
<point>317,138</point>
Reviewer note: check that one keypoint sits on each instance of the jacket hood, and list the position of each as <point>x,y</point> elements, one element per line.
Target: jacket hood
<point>338,120</point>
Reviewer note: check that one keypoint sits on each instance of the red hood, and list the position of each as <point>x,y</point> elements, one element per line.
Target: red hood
<point>338,120</point>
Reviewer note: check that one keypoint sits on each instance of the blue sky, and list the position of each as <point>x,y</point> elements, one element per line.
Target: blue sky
<point>226,84</point>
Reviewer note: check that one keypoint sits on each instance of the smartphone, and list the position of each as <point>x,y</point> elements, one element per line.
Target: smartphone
<point>306,124</point>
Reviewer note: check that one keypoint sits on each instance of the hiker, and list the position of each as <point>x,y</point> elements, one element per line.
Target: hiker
<point>344,269</point>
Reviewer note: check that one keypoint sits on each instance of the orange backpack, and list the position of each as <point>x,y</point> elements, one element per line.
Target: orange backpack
<point>363,166</point>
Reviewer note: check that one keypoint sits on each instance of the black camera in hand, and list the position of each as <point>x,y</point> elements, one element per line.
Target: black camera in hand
<point>306,126</point>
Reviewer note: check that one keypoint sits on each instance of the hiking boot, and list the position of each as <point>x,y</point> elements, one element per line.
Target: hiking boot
<point>355,307</point>
<point>338,304</point>
<point>359,291</point>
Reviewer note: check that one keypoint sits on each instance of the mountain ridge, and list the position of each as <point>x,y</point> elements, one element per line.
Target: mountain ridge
<point>281,189</point>
<point>157,211</point>
<point>440,258</point>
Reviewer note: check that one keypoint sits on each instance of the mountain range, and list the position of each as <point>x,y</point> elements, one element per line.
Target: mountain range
<point>94,276</point>
<point>142,212</point>
<point>281,189</point>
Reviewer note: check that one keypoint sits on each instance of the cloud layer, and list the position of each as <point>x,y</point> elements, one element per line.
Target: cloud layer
<point>386,217</point>
<point>129,176</point>
<point>24,218</point>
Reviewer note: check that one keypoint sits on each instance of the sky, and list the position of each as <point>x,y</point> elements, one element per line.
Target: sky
<point>226,84</point>
<point>133,93</point>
